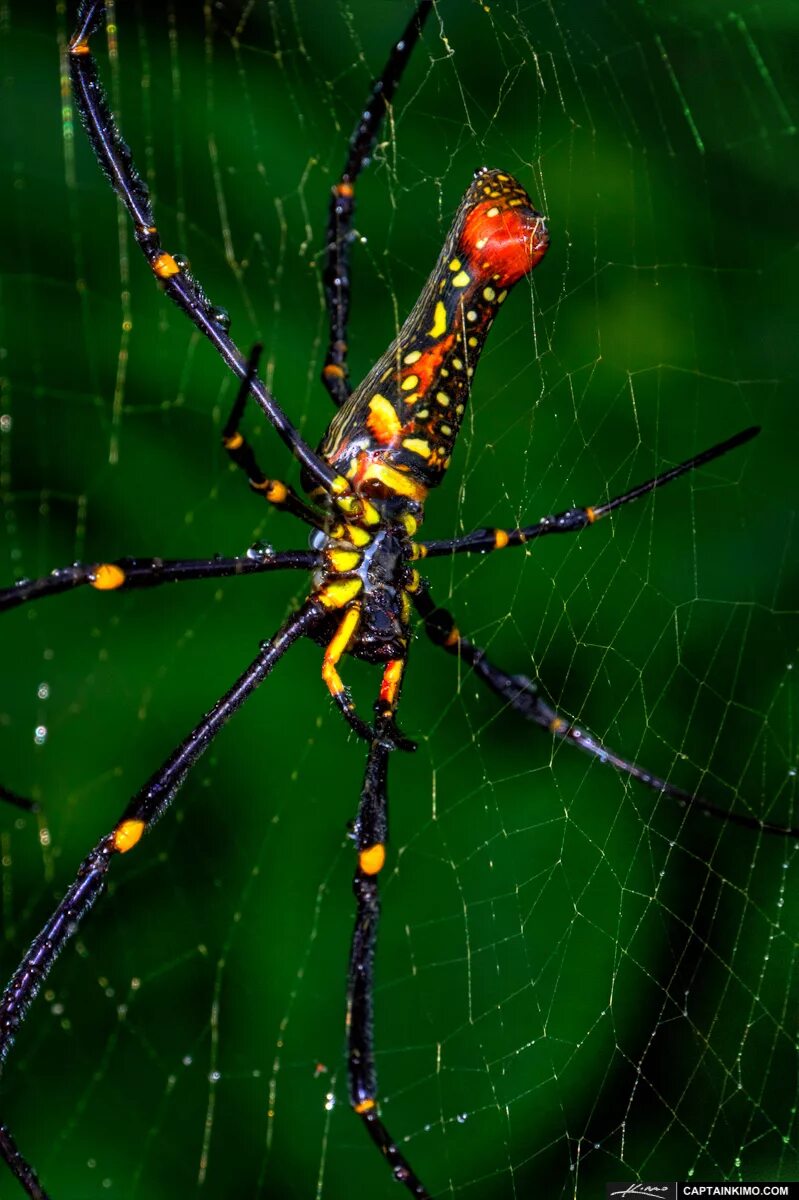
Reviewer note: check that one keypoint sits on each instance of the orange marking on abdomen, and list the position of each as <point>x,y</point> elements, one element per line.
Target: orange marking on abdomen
<point>382,422</point>
<point>428,366</point>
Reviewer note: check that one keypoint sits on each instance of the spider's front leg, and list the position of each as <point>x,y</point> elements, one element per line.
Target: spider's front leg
<point>115,159</point>
<point>336,274</point>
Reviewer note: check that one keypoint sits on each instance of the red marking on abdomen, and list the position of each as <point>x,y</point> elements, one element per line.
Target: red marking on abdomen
<point>514,240</point>
<point>428,366</point>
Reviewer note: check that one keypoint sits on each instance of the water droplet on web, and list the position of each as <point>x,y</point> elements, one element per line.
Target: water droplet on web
<point>259,551</point>
<point>6,421</point>
<point>462,1118</point>
<point>43,691</point>
<point>214,1076</point>
<point>187,1060</point>
<point>330,1102</point>
<point>40,735</point>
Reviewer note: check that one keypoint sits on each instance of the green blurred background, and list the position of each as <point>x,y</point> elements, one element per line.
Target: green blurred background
<point>577,982</point>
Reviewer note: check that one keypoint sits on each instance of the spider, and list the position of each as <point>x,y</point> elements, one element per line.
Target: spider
<point>389,443</point>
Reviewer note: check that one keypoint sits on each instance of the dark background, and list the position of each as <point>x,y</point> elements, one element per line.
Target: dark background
<point>576,980</point>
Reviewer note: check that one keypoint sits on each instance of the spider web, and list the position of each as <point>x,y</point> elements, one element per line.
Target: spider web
<point>577,980</point>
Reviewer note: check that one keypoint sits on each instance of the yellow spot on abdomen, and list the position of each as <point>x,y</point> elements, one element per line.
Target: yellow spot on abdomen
<point>501,539</point>
<point>233,442</point>
<point>107,576</point>
<point>372,859</point>
<point>364,1106</point>
<point>382,422</point>
<point>409,383</point>
<point>461,279</point>
<point>394,481</point>
<point>417,446</point>
<point>127,835</point>
<point>439,325</point>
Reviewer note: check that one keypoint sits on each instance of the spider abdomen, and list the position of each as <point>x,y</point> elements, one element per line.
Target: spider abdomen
<point>395,434</point>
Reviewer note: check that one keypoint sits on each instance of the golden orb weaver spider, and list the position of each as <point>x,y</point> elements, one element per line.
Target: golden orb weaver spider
<point>374,468</point>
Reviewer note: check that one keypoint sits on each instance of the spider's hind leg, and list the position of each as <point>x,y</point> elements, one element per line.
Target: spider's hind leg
<point>371,832</point>
<point>523,695</point>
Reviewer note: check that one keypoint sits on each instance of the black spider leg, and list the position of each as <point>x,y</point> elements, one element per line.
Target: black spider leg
<point>24,1172</point>
<point>126,574</point>
<point>575,519</point>
<point>241,454</point>
<point>336,274</point>
<point>146,807</point>
<point>523,695</point>
<point>17,801</point>
<point>371,831</point>
<point>116,161</point>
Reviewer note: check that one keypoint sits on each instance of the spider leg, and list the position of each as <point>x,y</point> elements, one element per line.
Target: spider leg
<point>19,1167</point>
<point>125,574</point>
<point>336,274</point>
<point>9,797</point>
<point>371,830</point>
<point>140,814</point>
<point>523,695</point>
<point>115,159</point>
<point>389,689</point>
<point>575,519</point>
<point>241,454</point>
